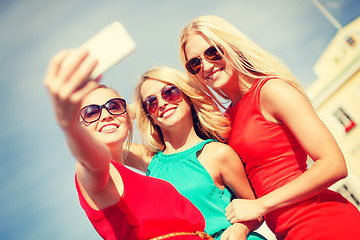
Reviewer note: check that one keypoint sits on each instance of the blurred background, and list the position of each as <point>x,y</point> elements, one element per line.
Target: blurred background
<point>38,199</point>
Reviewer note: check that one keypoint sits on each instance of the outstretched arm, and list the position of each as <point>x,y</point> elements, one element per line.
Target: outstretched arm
<point>67,82</point>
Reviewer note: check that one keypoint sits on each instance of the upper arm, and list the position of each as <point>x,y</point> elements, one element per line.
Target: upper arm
<point>107,195</point>
<point>286,104</point>
<point>232,172</point>
<point>92,181</point>
<point>138,156</point>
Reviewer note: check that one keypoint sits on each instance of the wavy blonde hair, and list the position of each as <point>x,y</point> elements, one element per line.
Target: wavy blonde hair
<point>248,59</point>
<point>209,121</point>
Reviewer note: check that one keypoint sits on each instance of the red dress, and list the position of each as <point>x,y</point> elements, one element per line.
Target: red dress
<point>148,208</point>
<point>273,157</point>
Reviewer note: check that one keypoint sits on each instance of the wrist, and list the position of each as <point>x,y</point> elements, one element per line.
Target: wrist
<point>244,228</point>
<point>265,204</point>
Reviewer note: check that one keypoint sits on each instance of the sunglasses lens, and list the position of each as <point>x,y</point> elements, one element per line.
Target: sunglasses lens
<point>171,94</point>
<point>150,104</point>
<point>116,106</point>
<point>193,65</point>
<point>213,54</point>
<point>90,113</point>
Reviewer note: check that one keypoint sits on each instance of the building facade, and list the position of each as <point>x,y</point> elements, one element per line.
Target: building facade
<point>336,98</point>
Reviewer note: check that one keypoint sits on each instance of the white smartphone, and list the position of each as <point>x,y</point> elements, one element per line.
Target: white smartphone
<point>109,46</point>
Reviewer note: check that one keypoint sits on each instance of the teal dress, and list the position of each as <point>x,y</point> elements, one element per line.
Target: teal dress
<point>191,179</point>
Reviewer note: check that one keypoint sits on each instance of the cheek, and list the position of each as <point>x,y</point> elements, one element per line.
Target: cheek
<point>124,123</point>
<point>91,129</point>
<point>229,67</point>
<point>200,77</point>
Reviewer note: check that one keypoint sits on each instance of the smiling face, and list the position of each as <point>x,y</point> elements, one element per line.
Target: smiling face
<point>215,74</point>
<point>167,113</point>
<point>109,129</point>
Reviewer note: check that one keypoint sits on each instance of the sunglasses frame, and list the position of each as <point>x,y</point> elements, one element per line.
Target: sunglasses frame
<point>218,49</point>
<point>122,101</point>
<point>146,102</point>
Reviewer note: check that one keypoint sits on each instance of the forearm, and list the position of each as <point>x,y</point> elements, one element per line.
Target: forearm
<point>252,225</point>
<point>315,180</point>
<point>88,152</point>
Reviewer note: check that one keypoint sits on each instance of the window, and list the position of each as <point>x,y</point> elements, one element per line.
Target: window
<point>351,41</point>
<point>347,193</point>
<point>344,119</point>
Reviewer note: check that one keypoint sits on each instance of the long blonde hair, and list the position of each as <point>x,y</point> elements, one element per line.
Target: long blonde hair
<point>209,121</point>
<point>248,59</point>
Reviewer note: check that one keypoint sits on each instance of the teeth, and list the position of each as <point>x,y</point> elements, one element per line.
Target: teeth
<point>214,74</point>
<point>168,112</point>
<point>108,128</point>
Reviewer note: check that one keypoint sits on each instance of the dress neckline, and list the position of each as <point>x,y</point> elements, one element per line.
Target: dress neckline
<point>186,151</point>
<point>252,87</point>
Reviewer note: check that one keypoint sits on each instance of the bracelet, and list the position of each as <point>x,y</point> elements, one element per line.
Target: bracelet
<point>202,235</point>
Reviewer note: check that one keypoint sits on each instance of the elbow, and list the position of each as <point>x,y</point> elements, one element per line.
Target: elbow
<point>341,171</point>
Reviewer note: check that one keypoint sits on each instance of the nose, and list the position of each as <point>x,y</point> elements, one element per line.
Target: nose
<point>207,65</point>
<point>162,103</point>
<point>105,115</point>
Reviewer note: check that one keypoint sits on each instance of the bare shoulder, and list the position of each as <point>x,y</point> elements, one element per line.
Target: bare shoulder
<point>278,89</point>
<point>220,151</point>
<point>278,98</point>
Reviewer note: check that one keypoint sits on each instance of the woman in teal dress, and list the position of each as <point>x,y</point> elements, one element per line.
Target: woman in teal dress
<point>184,132</point>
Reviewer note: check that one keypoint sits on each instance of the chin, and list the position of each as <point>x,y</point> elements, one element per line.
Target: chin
<point>112,139</point>
<point>222,81</point>
<point>114,144</point>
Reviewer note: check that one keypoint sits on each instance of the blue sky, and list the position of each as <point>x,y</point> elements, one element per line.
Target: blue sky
<point>37,194</point>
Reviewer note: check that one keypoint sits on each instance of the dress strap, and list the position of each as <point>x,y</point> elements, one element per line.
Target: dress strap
<point>203,143</point>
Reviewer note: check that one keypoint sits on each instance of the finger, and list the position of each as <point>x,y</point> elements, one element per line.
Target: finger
<point>229,209</point>
<point>65,68</point>
<point>71,64</point>
<point>98,79</point>
<point>79,78</point>
<point>229,206</point>
<point>54,66</point>
<point>230,216</point>
<point>85,90</point>
<point>235,220</point>
<point>225,235</point>
<point>227,213</point>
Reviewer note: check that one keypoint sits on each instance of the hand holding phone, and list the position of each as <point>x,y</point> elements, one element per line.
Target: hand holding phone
<point>109,46</point>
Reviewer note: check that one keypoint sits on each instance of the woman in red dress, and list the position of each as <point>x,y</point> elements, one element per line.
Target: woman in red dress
<point>120,203</point>
<point>274,130</point>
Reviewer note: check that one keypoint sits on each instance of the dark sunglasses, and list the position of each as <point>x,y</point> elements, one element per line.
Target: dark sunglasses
<point>169,93</point>
<point>211,54</point>
<point>92,113</point>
